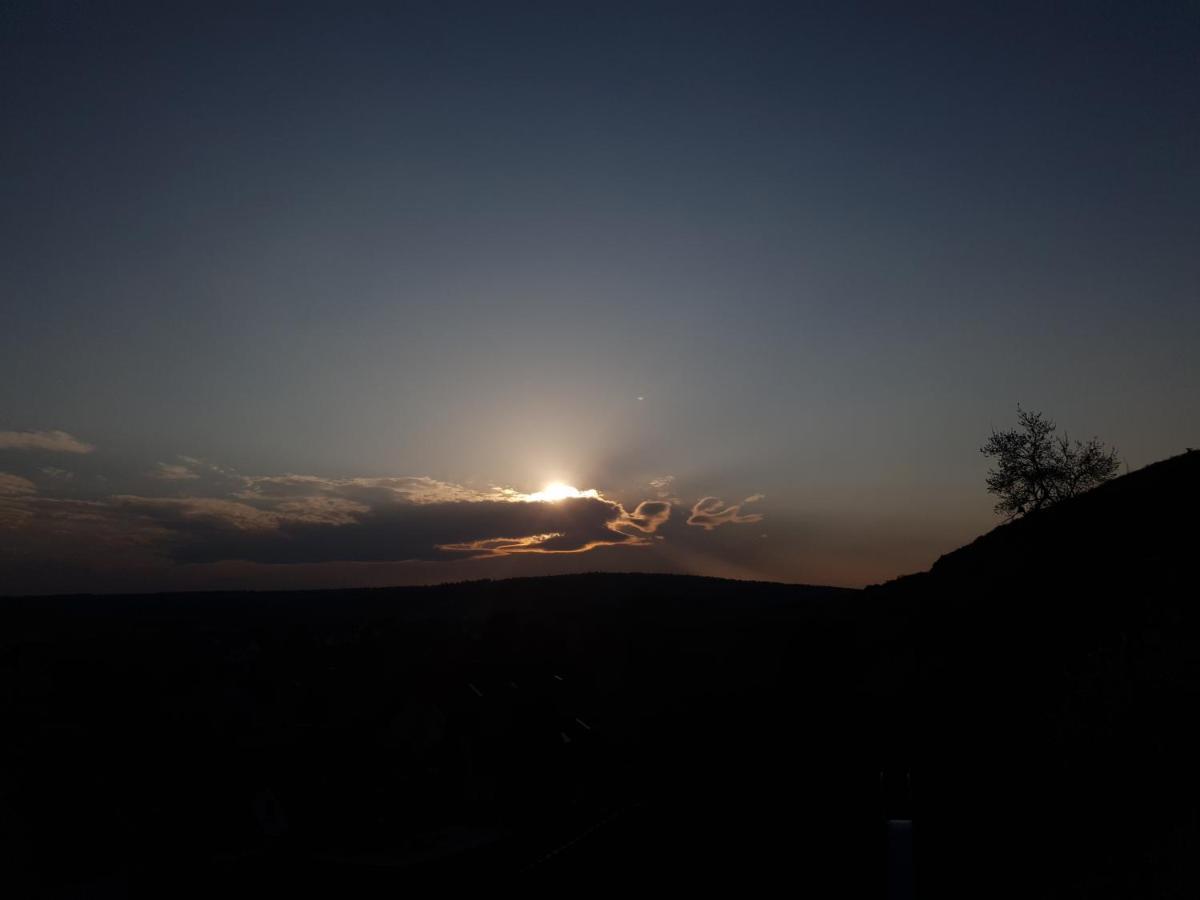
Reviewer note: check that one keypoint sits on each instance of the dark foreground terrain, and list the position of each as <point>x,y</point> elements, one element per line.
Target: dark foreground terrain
<point>1030,703</point>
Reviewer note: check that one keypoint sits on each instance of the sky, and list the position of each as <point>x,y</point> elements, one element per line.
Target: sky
<point>321,295</point>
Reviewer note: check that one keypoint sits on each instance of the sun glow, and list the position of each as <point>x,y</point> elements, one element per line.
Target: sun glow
<point>557,490</point>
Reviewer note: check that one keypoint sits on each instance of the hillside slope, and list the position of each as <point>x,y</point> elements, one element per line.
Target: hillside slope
<point>1059,660</point>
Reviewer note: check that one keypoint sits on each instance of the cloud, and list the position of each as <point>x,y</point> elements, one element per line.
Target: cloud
<point>711,512</point>
<point>574,525</point>
<point>15,486</point>
<point>67,535</point>
<point>57,474</point>
<point>328,529</point>
<point>289,530</point>
<point>190,468</point>
<point>648,515</point>
<point>172,472</point>
<point>208,512</point>
<point>52,441</point>
<point>664,489</point>
<point>76,545</point>
<point>406,489</point>
<point>293,519</point>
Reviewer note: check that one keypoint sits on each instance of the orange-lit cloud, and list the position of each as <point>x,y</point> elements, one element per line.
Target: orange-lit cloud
<point>711,512</point>
<point>587,522</point>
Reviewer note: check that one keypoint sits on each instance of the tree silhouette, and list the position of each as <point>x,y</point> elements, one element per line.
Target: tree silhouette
<point>1035,469</point>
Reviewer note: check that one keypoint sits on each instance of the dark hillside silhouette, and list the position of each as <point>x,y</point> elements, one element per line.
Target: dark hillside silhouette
<point>1028,702</point>
<point>1059,682</point>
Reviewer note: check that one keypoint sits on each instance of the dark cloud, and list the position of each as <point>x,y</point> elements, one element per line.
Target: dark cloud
<point>48,534</point>
<point>712,512</point>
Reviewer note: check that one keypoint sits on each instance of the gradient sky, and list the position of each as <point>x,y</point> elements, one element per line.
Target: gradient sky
<point>318,294</point>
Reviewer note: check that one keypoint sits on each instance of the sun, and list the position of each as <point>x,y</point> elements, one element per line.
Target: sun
<point>558,490</point>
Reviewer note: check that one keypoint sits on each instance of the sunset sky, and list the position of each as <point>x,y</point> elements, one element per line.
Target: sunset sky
<point>315,295</point>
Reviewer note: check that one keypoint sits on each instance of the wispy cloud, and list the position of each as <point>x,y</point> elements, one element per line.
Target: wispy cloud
<point>648,516</point>
<point>191,468</point>
<point>183,512</point>
<point>403,489</point>
<point>711,512</point>
<point>50,441</point>
<point>663,486</point>
<point>172,472</point>
<point>576,525</point>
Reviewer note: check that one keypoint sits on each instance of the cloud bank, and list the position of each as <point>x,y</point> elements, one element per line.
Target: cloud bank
<point>192,519</point>
<point>307,519</point>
